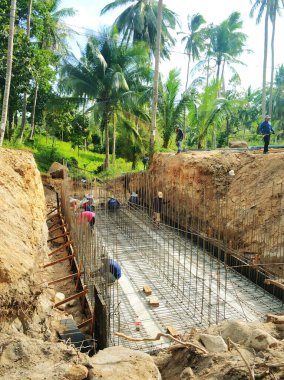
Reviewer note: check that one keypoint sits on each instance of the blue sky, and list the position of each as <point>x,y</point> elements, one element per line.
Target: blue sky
<point>88,16</point>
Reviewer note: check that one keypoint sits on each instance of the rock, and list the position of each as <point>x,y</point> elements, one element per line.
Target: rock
<point>238,144</point>
<point>231,173</point>
<point>17,325</point>
<point>187,374</point>
<point>260,340</point>
<point>213,343</point>
<point>57,170</point>
<point>237,331</point>
<point>114,363</point>
<point>58,298</point>
<point>77,372</point>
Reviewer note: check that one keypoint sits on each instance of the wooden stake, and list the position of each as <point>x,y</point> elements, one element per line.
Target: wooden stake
<point>50,212</point>
<point>54,224</point>
<point>61,247</point>
<point>57,237</point>
<point>77,295</point>
<point>59,260</point>
<point>53,216</point>
<point>57,228</point>
<point>62,278</point>
<point>85,323</point>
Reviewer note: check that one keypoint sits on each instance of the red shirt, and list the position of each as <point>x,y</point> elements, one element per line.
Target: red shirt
<point>86,215</point>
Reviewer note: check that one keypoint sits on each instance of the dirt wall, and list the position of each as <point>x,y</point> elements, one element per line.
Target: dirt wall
<point>226,196</point>
<point>23,229</point>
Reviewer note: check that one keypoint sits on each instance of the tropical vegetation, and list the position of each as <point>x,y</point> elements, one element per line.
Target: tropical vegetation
<point>101,102</point>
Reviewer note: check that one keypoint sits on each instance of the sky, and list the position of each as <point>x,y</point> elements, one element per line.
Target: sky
<point>88,17</point>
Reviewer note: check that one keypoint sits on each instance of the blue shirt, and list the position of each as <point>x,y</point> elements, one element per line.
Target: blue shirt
<point>115,268</point>
<point>266,128</point>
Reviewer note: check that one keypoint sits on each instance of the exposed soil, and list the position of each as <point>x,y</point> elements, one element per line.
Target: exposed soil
<point>29,347</point>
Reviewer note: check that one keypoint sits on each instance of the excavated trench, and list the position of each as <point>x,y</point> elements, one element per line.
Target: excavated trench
<point>193,287</point>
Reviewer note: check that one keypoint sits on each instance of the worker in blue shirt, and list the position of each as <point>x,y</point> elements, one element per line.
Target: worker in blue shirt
<point>111,270</point>
<point>266,130</point>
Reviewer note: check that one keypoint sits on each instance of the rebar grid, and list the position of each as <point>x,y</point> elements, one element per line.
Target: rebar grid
<point>185,260</point>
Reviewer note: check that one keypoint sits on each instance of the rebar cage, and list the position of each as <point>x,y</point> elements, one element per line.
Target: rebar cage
<point>199,273</point>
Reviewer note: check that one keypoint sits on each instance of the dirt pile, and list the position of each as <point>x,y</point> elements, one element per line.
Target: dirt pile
<point>235,351</point>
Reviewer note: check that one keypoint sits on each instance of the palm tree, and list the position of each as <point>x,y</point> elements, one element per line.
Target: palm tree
<point>227,42</point>
<point>138,22</point>
<point>194,40</point>
<point>105,74</point>
<point>8,71</point>
<point>170,109</point>
<point>206,111</point>
<point>30,4</point>
<point>50,32</point>
<point>275,9</point>
<point>263,6</point>
<point>156,79</point>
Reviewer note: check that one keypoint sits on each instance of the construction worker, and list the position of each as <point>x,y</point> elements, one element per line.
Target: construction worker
<point>158,203</point>
<point>87,216</point>
<point>110,270</point>
<point>179,138</point>
<point>266,130</point>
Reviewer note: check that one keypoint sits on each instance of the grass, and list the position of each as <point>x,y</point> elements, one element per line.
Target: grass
<point>47,151</point>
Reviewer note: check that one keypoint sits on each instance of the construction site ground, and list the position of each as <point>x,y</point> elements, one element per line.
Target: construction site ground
<point>29,347</point>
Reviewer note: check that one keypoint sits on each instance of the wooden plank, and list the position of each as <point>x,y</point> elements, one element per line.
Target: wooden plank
<point>59,261</point>
<point>61,247</point>
<point>77,295</point>
<point>58,236</point>
<point>147,290</point>
<point>172,331</point>
<point>274,282</point>
<point>154,301</point>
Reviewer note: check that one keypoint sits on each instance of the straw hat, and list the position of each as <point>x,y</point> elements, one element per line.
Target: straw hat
<point>160,194</point>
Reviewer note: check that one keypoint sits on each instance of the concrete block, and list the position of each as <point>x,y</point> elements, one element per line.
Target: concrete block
<point>154,301</point>
<point>147,290</point>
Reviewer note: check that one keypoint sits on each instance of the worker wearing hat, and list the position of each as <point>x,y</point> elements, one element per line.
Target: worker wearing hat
<point>158,203</point>
<point>266,130</point>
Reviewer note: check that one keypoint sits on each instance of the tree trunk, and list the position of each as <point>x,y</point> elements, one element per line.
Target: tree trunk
<point>8,71</point>
<point>33,112</point>
<point>156,79</point>
<point>25,100</point>
<point>272,59</point>
<point>113,139</point>
<point>265,62</point>
<point>106,115</point>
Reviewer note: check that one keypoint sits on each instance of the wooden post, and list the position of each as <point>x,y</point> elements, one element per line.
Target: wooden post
<point>61,247</point>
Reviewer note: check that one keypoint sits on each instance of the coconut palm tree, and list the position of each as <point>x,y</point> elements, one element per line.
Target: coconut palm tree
<point>263,6</point>
<point>106,73</point>
<point>194,40</point>
<point>274,11</point>
<point>170,109</point>
<point>138,22</point>
<point>8,71</point>
<point>227,42</point>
